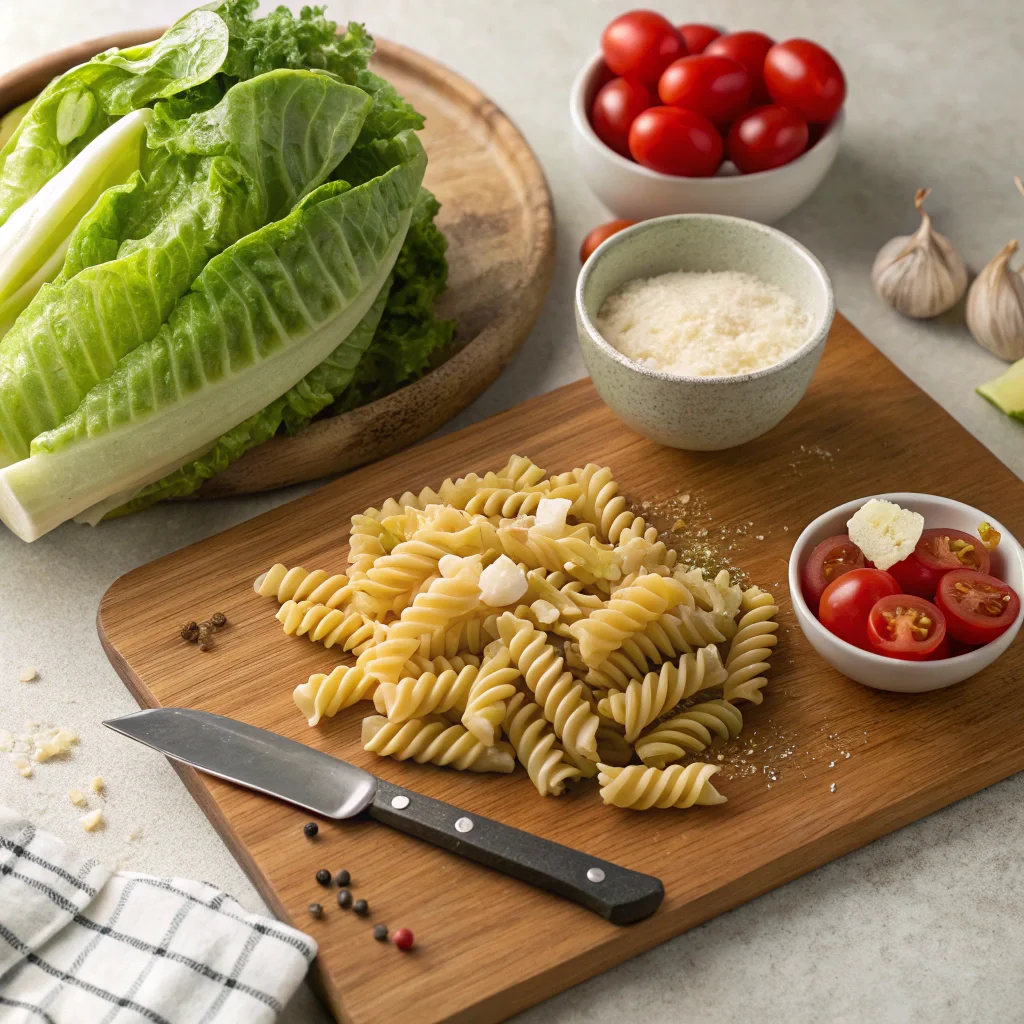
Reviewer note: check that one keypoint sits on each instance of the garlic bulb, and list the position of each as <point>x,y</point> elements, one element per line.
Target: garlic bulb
<point>920,275</point>
<point>995,305</point>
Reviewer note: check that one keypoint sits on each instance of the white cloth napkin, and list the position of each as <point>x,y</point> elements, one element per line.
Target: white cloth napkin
<point>80,945</point>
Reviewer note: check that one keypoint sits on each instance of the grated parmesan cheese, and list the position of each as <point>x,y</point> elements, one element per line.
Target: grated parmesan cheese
<point>714,324</point>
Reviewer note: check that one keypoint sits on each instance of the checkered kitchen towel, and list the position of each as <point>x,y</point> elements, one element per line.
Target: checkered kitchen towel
<point>79,945</point>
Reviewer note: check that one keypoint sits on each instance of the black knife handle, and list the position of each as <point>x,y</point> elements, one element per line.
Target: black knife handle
<point>614,892</point>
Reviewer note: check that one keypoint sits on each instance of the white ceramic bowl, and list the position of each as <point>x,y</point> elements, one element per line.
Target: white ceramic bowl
<point>701,413</point>
<point>887,673</point>
<point>637,193</point>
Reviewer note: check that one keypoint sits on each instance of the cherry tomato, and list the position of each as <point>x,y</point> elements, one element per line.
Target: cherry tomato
<point>749,48</point>
<point>805,77</point>
<point>717,87</point>
<point>827,562</point>
<point>978,607</point>
<point>698,36</point>
<point>848,600</point>
<point>766,137</point>
<point>599,234</point>
<point>901,626</point>
<point>614,110</point>
<point>939,552</point>
<point>944,650</point>
<point>676,141</point>
<point>641,44</point>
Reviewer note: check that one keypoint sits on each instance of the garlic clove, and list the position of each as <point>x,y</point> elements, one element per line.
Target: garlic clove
<point>995,307</point>
<point>920,275</point>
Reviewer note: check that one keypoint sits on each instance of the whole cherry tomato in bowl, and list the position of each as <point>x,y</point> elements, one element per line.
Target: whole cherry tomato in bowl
<point>805,77</point>
<point>765,138</point>
<point>847,602</point>
<point>641,44</point>
<point>671,140</point>
<point>697,36</point>
<point>615,108</point>
<point>906,627</point>
<point>599,234</point>
<point>717,87</point>
<point>750,49</point>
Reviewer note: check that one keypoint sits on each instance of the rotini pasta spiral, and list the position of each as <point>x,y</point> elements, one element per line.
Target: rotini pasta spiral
<point>643,702</point>
<point>470,635</point>
<point>325,695</point>
<point>688,732</point>
<point>639,788</point>
<point>628,612</point>
<point>390,583</point>
<point>751,648</point>
<point>425,694</point>
<point>537,747</point>
<point>521,473</point>
<point>297,584</point>
<point>367,541</point>
<point>494,684</point>
<point>558,693</point>
<point>436,741</point>
<point>328,626</point>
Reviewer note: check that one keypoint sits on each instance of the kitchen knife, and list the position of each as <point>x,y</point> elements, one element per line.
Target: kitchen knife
<point>290,771</point>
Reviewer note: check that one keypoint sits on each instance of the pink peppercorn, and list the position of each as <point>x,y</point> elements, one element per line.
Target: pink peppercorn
<point>403,939</point>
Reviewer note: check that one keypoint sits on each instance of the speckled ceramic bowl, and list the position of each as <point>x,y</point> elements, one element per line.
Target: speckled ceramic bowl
<point>701,413</point>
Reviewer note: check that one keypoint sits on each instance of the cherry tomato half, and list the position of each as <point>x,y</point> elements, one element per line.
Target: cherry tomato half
<point>599,234</point>
<point>717,87</point>
<point>905,627</point>
<point>978,607</point>
<point>805,77</point>
<point>641,44</point>
<point>766,137</point>
<point>848,600</point>
<point>697,36</point>
<point>750,49</point>
<point>939,552</point>
<point>615,108</point>
<point>676,141</point>
<point>827,562</point>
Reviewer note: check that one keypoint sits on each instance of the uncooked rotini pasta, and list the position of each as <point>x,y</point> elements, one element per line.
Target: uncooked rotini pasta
<point>640,788</point>
<point>470,635</point>
<point>644,701</point>
<point>323,696</point>
<point>328,626</point>
<point>437,741</point>
<point>751,647</point>
<point>494,684</point>
<point>537,747</point>
<point>688,732</point>
<point>297,584</point>
<point>425,694</point>
<point>390,583</point>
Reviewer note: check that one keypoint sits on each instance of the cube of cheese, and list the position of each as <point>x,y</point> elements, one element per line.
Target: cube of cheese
<point>884,532</point>
<point>92,820</point>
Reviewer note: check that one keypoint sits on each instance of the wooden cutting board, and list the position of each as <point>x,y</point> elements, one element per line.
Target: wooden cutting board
<point>824,765</point>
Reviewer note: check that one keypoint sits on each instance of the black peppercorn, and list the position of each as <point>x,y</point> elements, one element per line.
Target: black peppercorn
<point>343,878</point>
<point>204,646</point>
<point>310,829</point>
<point>380,932</point>
<point>323,876</point>
<point>218,619</point>
<point>361,907</point>
<point>345,899</point>
<point>315,910</point>
<point>190,632</point>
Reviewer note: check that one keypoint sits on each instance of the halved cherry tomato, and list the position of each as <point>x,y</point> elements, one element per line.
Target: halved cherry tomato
<point>978,607</point>
<point>827,562</point>
<point>641,44</point>
<point>676,141</point>
<point>905,627</point>
<point>766,137</point>
<point>750,49</point>
<point>599,234</point>
<point>615,108</point>
<point>805,77</point>
<point>717,87</point>
<point>698,36</point>
<point>848,600</point>
<point>939,552</point>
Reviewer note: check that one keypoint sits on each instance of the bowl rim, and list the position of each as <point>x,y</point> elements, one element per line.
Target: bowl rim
<point>807,620</point>
<point>817,337</point>
<point>578,115</point>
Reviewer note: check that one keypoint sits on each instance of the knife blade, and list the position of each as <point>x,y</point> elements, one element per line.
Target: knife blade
<point>291,771</point>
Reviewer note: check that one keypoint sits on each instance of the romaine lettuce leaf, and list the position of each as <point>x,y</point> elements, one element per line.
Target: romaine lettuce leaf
<point>210,180</point>
<point>259,317</point>
<point>76,107</point>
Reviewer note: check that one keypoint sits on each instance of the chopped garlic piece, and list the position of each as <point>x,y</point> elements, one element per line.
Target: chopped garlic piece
<point>884,532</point>
<point>28,675</point>
<point>97,784</point>
<point>92,820</point>
<point>502,583</point>
<point>551,515</point>
<point>77,797</point>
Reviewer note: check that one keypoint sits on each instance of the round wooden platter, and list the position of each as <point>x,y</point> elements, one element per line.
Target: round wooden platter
<point>497,215</point>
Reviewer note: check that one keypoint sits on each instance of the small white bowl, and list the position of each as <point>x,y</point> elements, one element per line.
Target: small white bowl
<point>701,413</point>
<point>880,672</point>
<point>637,193</point>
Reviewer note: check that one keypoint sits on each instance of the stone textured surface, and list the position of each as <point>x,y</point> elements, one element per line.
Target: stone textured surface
<point>922,925</point>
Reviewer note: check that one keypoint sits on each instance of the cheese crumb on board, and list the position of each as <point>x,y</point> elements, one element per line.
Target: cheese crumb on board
<point>713,324</point>
<point>28,675</point>
<point>92,820</point>
<point>97,784</point>
<point>35,745</point>
<point>77,797</point>
<point>884,532</point>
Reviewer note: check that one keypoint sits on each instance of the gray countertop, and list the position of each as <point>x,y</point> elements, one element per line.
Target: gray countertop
<point>925,924</point>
